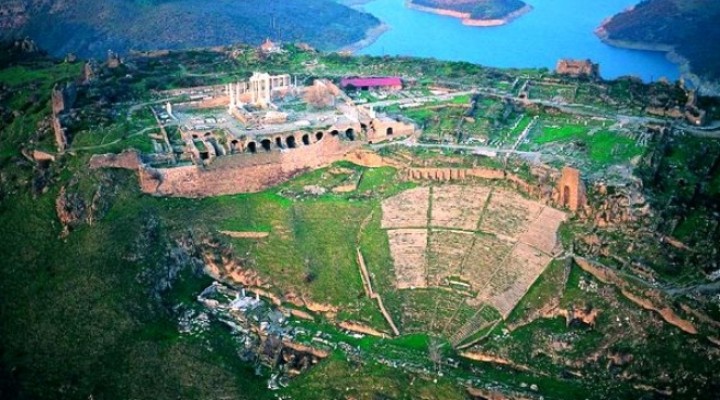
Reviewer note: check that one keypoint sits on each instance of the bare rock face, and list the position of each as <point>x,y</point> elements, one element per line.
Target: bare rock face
<point>71,210</point>
<point>75,207</point>
<point>620,205</point>
<point>582,316</point>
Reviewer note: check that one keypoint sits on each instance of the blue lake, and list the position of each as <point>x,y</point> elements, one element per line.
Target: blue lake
<point>554,29</point>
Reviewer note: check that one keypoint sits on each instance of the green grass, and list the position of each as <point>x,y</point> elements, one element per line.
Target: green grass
<point>77,319</point>
<point>603,147</point>
<point>336,378</point>
<point>22,75</point>
<point>548,286</point>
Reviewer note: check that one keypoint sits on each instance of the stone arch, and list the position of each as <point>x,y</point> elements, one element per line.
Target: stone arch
<point>306,139</point>
<point>195,136</point>
<point>266,144</point>
<point>363,127</point>
<point>334,132</point>
<point>350,133</point>
<point>279,142</point>
<point>207,134</point>
<point>319,135</point>
<point>234,145</point>
<point>389,131</point>
<point>252,147</point>
<point>291,143</point>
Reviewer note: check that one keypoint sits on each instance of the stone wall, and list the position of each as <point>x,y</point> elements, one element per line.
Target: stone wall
<point>570,190</point>
<point>242,173</point>
<point>62,99</point>
<point>577,68</point>
<point>452,174</point>
<point>128,159</point>
<point>543,190</point>
<point>61,140</point>
<point>384,129</point>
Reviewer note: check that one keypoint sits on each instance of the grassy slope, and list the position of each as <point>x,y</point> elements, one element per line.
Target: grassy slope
<point>76,321</point>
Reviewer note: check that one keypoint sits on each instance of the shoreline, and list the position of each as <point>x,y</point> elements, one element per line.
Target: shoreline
<point>670,53</point>
<point>467,19</point>
<point>371,36</point>
<point>703,85</point>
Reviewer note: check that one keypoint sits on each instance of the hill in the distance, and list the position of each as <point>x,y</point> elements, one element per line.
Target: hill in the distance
<point>89,28</point>
<point>687,26</point>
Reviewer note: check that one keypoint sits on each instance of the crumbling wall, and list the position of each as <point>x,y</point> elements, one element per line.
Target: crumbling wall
<point>577,68</point>
<point>383,129</point>
<point>62,100</point>
<point>61,139</point>
<point>452,174</point>
<point>570,190</point>
<point>129,159</point>
<point>242,173</point>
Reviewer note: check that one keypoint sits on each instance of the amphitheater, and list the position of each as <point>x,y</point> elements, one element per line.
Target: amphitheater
<point>488,243</point>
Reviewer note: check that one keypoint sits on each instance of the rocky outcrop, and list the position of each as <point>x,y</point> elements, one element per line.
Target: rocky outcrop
<point>619,205</point>
<point>647,301</point>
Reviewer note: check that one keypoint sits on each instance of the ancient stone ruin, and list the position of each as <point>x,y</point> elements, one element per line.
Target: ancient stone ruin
<point>577,68</point>
<point>63,98</point>
<point>570,190</point>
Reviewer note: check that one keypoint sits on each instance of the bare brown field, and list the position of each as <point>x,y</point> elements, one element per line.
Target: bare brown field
<point>409,209</point>
<point>446,253</point>
<point>458,207</point>
<point>512,281</point>
<point>537,234</point>
<point>509,214</point>
<point>407,247</point>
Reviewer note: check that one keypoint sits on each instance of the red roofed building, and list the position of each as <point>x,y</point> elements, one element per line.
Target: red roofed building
<point>387,83</point>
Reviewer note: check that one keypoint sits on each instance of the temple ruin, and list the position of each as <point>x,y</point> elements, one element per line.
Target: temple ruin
<point>257,91</point>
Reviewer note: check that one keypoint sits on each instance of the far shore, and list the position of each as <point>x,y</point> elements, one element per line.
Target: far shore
<point>670,53</point>
<point>371,35</point>
<point>467,18</point>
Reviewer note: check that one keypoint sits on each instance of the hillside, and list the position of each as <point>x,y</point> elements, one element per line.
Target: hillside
<point>89,28</point>
<point>476,9</point>
<point>687,26</point>
<point>408,270</point>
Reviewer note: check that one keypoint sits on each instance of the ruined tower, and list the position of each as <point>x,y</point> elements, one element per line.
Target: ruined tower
<point>570,190</point>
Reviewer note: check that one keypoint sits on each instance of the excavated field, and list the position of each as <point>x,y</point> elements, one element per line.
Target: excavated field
<point>490,244</point>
